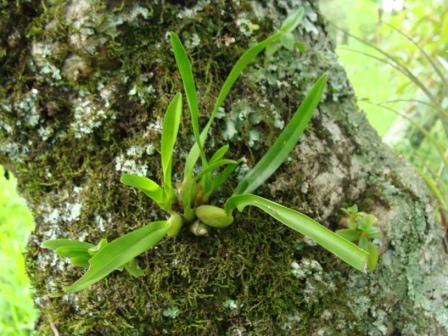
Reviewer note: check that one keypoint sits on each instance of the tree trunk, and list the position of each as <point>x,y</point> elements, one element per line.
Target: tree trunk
<point>84,88</point>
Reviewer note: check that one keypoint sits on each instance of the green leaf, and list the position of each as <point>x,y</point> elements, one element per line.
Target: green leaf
<point>187,194</point>
<point>349,234</point>
<point>353,210</point>
<point>363,243</point>
<point>215,165</point>
<point>144,184</point>
<point>373,256</point>
<point>374,233</point>
<point>185,69</point>
<point>293,20</point>
<point>222,177</point>
<point>288,41</point>
<point>134,269</point>
<point>245,59</point>
<point>219,154</point>
<point>70,251</point>
<point>169,135</point>
<point>331,241</point>
<point>81,261</point>
<point>76,250</point>
<point>119,252</point>
<point>55,244</point>
<point>218,180</point>
<point>101,244</point>
<point>285,142</point>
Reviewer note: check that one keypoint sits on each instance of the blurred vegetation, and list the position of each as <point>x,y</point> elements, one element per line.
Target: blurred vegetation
<point>396,56</point>
<point>408,118</point>
<point>17,314</point>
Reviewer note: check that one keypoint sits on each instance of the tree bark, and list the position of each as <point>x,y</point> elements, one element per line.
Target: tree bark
<point>84,88</point>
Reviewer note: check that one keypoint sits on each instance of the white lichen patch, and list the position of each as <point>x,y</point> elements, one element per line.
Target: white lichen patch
<point>88,115</point>
<point>4,125</point>
<point>189,12</point>
<point>45,132</point>
<point>130,166</point>
<point>28,108</point>
<point>193,41</point>
<point>41,52</point>
<point>242,168</point>
<point>305,268</point>
<point>68,211</point>
<point>143,92</point>
<point>15,151</point>
<point>101,222</point>
<point>130,162</point>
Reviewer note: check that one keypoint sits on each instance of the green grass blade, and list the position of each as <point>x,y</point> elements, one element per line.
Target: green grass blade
<point>54,244</point>
<point>246,58</point>
<point>186,73</point>
<point>285,142</point>
<point>119,252</point>
<point>169,135</point>
<point>146,185</point>
<point>331,241</point>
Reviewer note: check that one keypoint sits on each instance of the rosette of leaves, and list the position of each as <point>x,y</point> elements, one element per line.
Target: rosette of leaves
<point>361,229</point>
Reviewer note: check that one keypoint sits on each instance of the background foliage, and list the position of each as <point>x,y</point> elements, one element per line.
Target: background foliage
<point>17,314</point>
<point>403,91</point>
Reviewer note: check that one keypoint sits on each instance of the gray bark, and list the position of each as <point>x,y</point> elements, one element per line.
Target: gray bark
<point>84,87</point>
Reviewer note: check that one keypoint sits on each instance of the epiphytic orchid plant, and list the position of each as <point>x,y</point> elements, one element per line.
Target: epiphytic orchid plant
<point>192,194</point>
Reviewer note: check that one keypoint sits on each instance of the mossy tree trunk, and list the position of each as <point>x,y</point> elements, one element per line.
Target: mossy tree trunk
<point>84,87</point>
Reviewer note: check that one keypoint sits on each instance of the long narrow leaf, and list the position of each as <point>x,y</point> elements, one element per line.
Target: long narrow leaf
<point>54,244</point>
<point>219,154</point>
<point>245,59</point>
<point>331,241</point>
<point>215,165</point>
<point>222,177</point>
<point>169,135</point>
<point>185,69</point>
<point>285,142</point>
<point>219,180</point>
<point>71,252</point>
<point>146,185</point>
<point>119,252</point>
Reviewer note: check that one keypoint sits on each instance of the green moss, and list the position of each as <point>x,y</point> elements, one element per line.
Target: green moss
<point>256,277</point>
